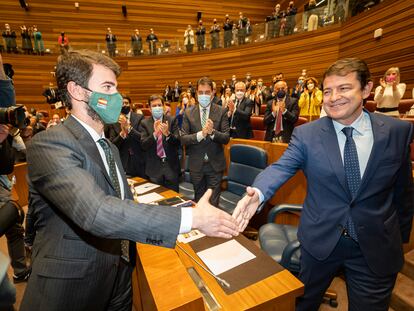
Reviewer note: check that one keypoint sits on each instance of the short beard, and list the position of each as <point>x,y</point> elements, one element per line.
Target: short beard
<point>92,113</point>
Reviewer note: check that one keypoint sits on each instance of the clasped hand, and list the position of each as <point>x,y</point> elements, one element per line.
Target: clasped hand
<point>208,128</point>
<point>161,128</point>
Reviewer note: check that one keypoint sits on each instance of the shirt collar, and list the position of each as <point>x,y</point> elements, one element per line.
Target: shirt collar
<point>95,136</point>
<point>359,125</point>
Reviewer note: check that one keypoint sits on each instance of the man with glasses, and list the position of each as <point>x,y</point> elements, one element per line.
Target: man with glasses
<point>204,132</point>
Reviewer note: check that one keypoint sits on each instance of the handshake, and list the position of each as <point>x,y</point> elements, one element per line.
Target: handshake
<point>217,223</point>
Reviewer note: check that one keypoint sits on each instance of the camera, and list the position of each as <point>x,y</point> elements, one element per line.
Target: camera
<point>15,116</point>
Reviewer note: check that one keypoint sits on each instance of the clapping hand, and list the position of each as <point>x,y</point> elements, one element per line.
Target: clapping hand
<point>164,128</point>
<point>210,126</point>
<point>246,208</point>
<point>212,221</point>
<point>157,127</point>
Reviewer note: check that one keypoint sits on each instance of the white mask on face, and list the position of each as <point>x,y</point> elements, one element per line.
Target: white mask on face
<point>311,86</point>
<point>239,95</point>
<point>185,100</point>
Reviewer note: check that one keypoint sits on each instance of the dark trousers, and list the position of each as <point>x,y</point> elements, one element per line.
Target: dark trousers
<point>121,299</point>
<point>366,291</point>
<point>205,179</point>
<point>168,177</point>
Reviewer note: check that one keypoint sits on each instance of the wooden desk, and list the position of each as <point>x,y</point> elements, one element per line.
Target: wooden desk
<point>161,282</point>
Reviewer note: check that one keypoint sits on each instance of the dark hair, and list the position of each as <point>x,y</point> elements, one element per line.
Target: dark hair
<point>155,97</point>
<point>345,66</point>
<point>77,66</point>
<point>127,98</point>
<point>205,81</point>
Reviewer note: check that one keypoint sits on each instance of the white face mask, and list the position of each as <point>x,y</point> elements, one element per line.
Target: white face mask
<point>185,100</point>
<point>310,86</point>
<point>239,95</point>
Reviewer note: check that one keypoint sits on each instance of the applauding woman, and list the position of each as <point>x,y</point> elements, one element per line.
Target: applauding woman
<point>389,92</point>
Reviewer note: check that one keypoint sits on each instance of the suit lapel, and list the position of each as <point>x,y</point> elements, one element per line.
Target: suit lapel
<point>87,143</point>
<point>378,149</point>
<point>330,143</point>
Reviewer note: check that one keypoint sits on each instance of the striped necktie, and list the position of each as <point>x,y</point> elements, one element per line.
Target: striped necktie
<point>115,182</point>
<point>352,173</point>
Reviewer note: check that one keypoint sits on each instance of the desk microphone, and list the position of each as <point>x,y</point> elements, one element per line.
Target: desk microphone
<point>219,279</point>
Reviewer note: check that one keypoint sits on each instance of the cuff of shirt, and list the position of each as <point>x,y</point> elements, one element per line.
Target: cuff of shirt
<point>200,136</point>
<point>186,219</point>
<point>261,196</point>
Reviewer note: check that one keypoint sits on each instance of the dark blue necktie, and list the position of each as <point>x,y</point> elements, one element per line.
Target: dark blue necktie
<point>115,182</point>
<point>352,173</point>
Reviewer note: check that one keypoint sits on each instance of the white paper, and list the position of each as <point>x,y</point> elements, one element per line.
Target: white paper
<point>190,236</point>
<point>225,256</point>
<point>140,189</point>
<point>149,198</point>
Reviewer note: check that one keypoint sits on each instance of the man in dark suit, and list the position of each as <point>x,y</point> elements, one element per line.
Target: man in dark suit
<point>281,114</point>
<point>204,132</point>
<point>359,205</point>
<point>125,135</point>
<point>176,91</point>
<point>83,205</point>
<point>239,113</point>
<point>160,139</point>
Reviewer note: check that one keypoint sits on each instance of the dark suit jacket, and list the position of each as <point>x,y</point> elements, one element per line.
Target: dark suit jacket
<point>212,146</point>
<point>382,209</point>
<point>130,150</point>
<point>80,222</point>
<point>149,144</point>
<point>241,120</point>
<point>288,120</point>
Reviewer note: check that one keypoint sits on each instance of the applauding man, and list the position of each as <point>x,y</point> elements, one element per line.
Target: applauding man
<point>205,130</point>
<point>160,140</point>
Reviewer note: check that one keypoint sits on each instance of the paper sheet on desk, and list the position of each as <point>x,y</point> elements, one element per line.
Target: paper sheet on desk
<point>225,256</point>
<point>140,189</point>
<point>149,198</point>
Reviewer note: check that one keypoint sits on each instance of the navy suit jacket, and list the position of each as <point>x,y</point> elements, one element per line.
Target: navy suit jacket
<point>382,209</point>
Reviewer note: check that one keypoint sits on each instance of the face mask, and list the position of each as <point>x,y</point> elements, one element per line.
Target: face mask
<point>157,112</point>
<point>107,106</point>
<point>281,94</point>
<point>310,86</point>
<point>239,95</point>
<point>185,101</point>
<point>125,109</point>
<point>204,100</point>
<point>300,82</point>
<point>233,79</point>
<point>260,83</point>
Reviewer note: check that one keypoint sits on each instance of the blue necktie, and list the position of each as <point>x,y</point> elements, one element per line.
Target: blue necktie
<point>352,173</point>
<point>115,182</point>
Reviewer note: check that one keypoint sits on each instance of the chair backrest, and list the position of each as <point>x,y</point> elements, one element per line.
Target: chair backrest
<point>259,129</point>
<point>300,121</point>
<point>405,105</point>
<point>262,109</point>
<point>370,105</point>
<point>246,162</point>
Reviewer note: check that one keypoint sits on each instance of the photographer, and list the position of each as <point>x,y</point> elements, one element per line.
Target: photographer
<point>10,218</point>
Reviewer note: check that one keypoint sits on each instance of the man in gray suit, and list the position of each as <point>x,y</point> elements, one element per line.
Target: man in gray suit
<point>204,132</point>
<point>85,215</point>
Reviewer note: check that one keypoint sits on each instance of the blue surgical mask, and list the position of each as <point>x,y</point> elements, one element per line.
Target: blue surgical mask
<point>157,112</point>
<point>204,100</point>
<point>107,106</point>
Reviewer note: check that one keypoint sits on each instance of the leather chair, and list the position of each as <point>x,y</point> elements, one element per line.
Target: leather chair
<point>246,162</point>
<point>280,242</point>
<point>300,121</point>
<point>186,187</point>
<point>258,127</point>
<point>370,105</point>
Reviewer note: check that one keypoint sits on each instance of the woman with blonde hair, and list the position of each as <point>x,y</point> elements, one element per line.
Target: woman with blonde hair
<point>185,101</point>
<point>310,100</point>
<point>389,92</point>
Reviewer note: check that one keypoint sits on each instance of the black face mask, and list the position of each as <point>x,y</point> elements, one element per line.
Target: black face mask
<point>281,94</point>
<point>125,109</point>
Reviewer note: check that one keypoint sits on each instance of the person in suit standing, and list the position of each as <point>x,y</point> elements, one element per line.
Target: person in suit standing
<point>239,113</point>
<point>176,91</point>
<point>201,36</point>
<point>152,40</point>
<point>110,39</point>
<point>281,114</point>
<point>204,132</point>
<point>85,213</point>
<point>214,35</point>
<point>160,138</point>
<point>227,28</point>
<point>125,135</point>
<point>359,204</point>
<point>136,43</point>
